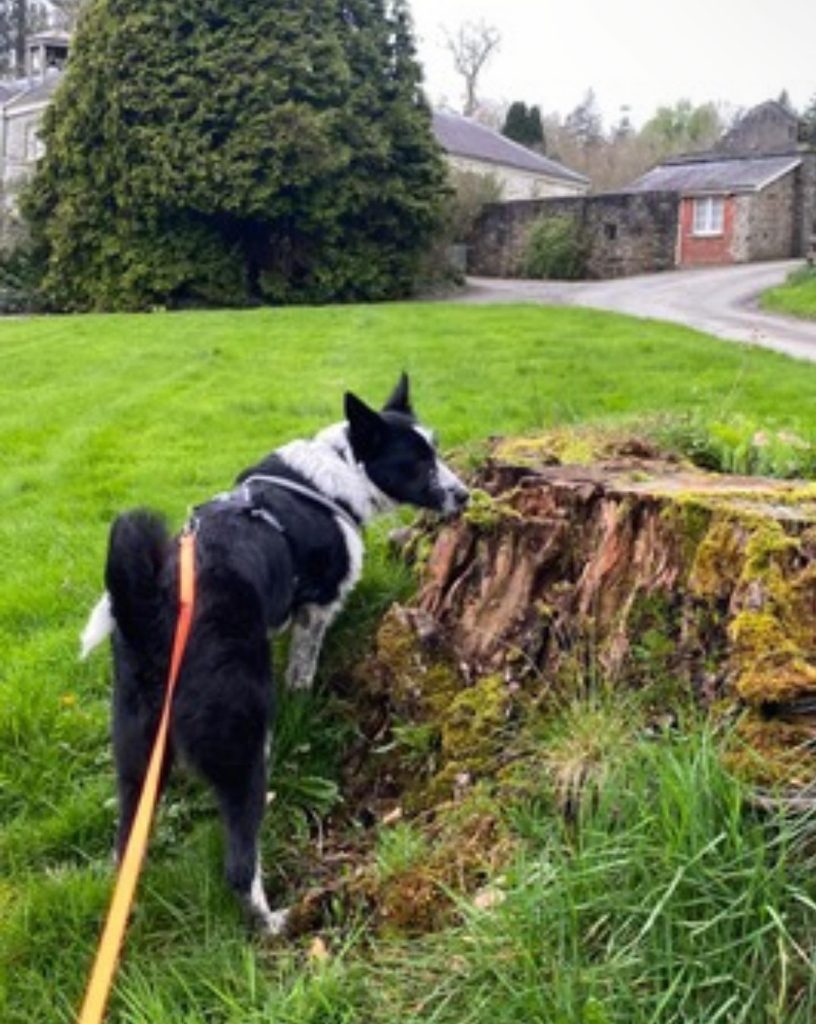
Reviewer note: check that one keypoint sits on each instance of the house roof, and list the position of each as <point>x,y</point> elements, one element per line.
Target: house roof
<point>12,87</point>
<point>747,174</point>
<point>34,91</point>
<point>461,136</point>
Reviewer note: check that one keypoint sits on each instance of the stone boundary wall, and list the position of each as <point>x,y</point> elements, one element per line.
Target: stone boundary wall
<point>806,203</point>
<point>628,232</point>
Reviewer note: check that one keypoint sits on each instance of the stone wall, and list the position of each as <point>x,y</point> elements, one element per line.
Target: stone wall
<point>805,210</point>
<point>772,225</point>
<point>628,233</point>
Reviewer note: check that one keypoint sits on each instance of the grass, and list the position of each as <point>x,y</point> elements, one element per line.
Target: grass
<point>668,906</point>
<point>797,296</point>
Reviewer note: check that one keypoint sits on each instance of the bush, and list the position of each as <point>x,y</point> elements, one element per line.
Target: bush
<point>467,196</point>
<point>228,153</point>
<point>555,247</point>
<point>471,193</point>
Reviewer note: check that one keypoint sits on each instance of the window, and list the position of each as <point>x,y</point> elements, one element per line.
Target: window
<point>709,215</point>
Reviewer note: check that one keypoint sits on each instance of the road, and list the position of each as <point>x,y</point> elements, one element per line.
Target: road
<point>722,301</point>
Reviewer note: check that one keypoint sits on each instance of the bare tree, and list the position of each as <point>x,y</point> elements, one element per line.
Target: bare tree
<point>472,45</point>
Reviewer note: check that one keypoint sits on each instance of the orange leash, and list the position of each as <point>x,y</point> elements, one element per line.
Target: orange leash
<point>110,943</point>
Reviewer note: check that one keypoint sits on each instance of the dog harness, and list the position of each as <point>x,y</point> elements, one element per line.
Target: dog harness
<point>243,499</point>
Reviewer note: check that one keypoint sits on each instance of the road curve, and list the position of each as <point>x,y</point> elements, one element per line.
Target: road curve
<point>722,301</point>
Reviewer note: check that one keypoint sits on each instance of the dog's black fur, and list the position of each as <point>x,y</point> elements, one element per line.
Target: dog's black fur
<point>254,573</point>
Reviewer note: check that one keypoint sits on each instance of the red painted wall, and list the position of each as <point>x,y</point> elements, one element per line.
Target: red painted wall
<point>701,250</point>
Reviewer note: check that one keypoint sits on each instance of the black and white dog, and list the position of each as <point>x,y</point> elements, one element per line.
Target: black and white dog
<point>283,546</point>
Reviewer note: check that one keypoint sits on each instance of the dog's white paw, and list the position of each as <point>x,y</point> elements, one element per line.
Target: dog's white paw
<point>299,681</point>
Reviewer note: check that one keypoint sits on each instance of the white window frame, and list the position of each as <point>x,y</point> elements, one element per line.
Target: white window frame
<point>708,216</point>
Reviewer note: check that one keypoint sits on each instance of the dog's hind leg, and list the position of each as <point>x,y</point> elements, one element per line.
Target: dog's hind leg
<point>134,730</point>
<point>242,800</point>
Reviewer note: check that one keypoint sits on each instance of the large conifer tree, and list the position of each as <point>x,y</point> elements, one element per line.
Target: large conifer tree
<point>222,151</point>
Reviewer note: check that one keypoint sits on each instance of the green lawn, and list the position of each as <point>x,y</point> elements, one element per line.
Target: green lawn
<point>796,297</point>
<point>98,413</point>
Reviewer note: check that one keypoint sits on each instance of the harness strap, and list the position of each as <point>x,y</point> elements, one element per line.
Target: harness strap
<point>306,492</point>
<point>110,944</point>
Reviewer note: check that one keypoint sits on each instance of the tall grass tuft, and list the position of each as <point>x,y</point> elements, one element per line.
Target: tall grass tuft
<point>672,902</point>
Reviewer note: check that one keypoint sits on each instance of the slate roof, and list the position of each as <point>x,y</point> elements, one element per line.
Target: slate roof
<point>12,87</point>
<point>750,174</point>
<point>38,91</point>
<point>461,136</point>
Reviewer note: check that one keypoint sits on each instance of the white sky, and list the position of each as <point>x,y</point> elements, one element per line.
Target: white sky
<point>642,53</point>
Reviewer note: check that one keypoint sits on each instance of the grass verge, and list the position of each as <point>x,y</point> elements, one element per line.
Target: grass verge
<point>796,297</point>
<point>99,413</point>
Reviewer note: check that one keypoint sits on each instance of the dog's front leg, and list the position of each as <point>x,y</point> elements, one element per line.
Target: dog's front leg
<point>308,629</point>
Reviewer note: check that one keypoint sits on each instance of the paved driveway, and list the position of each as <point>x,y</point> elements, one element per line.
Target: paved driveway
<point>720,300</point>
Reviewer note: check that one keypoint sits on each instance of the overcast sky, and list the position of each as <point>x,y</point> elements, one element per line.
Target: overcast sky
<point>641,53</point>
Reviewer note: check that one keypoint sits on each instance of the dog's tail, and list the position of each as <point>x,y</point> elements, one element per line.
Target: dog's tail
<point>137,549</point>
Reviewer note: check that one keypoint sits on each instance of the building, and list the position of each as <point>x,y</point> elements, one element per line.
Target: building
<point>23,101</point>
<point>753,197</point>
<point>521,173</point>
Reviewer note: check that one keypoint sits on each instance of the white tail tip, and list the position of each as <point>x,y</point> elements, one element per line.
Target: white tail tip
<point>100,625</point>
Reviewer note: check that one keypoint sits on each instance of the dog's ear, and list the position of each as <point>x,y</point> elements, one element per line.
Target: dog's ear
<point>400,400</point>
<point>366,427</point>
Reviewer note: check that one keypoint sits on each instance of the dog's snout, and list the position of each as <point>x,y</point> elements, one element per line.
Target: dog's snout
<point>461,496</point>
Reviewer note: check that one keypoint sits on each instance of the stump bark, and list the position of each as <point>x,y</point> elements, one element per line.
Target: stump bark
<point>642,572</point>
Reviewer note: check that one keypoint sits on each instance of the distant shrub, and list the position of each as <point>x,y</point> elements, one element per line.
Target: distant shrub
<point>555,247</point>
<point>19,281</point>
<point>467,196</point>
<point>471,193</point>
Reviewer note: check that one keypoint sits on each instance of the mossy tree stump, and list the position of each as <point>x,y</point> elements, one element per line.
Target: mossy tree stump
<point>642,572</point>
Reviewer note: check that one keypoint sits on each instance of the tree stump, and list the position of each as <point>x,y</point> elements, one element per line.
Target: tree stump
<point>642,572</point>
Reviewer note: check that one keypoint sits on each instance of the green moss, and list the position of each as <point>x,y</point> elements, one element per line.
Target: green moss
<point>472,723</point>
<point>691,518</point>
<point>767,545</point>
<point>483,510</point>
<point>718,560</point>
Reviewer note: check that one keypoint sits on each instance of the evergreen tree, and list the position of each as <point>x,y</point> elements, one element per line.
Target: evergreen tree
<point>535,132</point>
<point>218,151</point>
<point>523,125</point>
<point>515,123</point>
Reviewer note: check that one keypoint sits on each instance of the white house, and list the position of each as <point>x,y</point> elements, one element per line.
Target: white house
<point>521,172</point>
<point>23,101</point>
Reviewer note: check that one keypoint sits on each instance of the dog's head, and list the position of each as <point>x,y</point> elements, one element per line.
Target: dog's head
<point>399,455</point>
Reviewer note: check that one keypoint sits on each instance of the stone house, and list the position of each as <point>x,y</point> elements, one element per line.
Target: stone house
<point>522,173</point>
<point>753,197</point>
